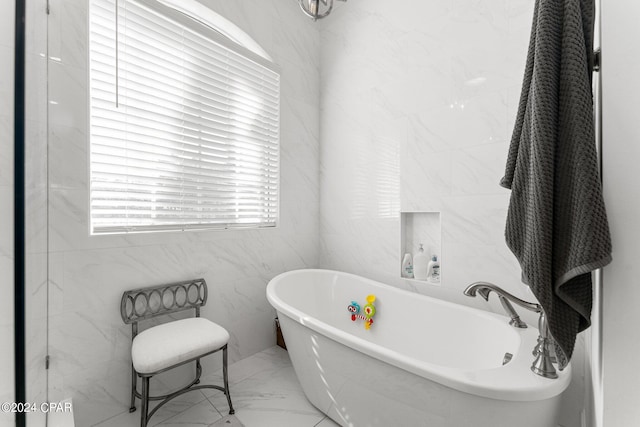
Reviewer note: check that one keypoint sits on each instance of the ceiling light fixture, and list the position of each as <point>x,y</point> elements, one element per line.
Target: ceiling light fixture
<point>316,9</point>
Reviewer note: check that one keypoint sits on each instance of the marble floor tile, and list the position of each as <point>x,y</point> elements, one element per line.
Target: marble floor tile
<point>201,414</point>
<point>175,407</point>
<point>264,390</point>
<point>272,397</point>
<point>228,421</point>
<point>269,359</point>
<point>327,422</point>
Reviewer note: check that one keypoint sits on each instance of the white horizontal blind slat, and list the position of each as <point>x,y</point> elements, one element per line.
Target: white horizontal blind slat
<point>194,139</point>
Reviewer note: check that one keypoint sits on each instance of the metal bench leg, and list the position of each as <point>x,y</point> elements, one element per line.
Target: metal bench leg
<point>144,406</point>
<point>226,379</point>
<point>132,408</point>
<point>198,371</point>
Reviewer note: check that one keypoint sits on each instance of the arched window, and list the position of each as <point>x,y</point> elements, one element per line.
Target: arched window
<point>184,120</point>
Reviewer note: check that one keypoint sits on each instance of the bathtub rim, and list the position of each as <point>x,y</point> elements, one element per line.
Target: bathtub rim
<point>511,382</point>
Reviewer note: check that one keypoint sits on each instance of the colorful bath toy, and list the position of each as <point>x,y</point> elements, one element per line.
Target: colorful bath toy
<point>369,311</point>
<point>354,309</point>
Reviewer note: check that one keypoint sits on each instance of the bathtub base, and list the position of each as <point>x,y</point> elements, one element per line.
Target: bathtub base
<point>355,389</point>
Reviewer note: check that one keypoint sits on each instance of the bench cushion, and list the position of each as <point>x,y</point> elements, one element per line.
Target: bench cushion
<point>172,343</point>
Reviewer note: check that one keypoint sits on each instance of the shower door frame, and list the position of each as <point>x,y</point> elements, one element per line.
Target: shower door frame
<point>19,207</point>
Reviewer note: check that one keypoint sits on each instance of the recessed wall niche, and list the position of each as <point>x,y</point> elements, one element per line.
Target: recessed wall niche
<point>420,228</point>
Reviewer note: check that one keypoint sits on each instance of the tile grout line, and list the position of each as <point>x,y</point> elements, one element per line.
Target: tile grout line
<point>214,406</point>
<point>318,423</point>
<point>110,418</point>
<point>163,420</point>
<point>167,420</point>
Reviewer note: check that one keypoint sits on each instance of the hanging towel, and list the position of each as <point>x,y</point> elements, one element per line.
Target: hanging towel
<point>557,225</point>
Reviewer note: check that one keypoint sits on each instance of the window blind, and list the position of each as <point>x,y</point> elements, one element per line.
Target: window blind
<point>184,127</point>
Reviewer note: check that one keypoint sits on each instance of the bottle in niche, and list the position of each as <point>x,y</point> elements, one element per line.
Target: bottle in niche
<point>407,266</point>
<point>434,269</point>
<point>421,264</point>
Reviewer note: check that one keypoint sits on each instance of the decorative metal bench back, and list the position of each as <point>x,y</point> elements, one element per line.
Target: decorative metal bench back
<point>146,303</point>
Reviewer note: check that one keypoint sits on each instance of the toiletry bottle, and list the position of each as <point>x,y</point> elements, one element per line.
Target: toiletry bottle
<point>407,266</point>
<point>434,270</point>
<point>420,265</point>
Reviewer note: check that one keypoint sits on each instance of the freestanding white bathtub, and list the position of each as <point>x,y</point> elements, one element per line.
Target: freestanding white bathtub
<point>423,362</point>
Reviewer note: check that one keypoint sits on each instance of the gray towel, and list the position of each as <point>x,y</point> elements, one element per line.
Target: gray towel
<point>557,225</point>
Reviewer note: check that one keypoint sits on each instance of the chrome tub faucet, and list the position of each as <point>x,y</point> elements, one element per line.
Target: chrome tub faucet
<point>543,363</point>
<point>485,288</point>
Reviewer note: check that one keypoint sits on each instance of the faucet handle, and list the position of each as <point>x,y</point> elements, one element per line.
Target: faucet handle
<point>543,363</point>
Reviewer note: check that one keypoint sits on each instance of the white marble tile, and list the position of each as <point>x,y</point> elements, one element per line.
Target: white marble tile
<point>36,27</point>
<point>98,393</point>
<point>299,216</point>
<point>35,152</point>
<point>7,371</point>
<point>6,77</point>
<point>7,419</point>
<point>68,146</point>
<point>6,303</point>
<point>70,333</point>
<point>6,135</point>
<point>36,326</point>
<point>300,177</point>
<point>409,16</point>
<point>6,225</point>
<point>475,219</point>
<point>425,175</point>
<point>520,17</point>
<point>270,360</point>
<point>464,122</point>
<point>476,39</point>
<point>193,403</point>
<point>299,128</point>
<point>427,82</point>
<point>67,95</point>
<point>270,398</point>
<point>298,81</point>
<point>327,422</point>
<point>68,33</point>
<point>478,170</point>
<point>36,96</point>
<point>36,220</point>
<point>7,28</point>
<point>302,45</point>
<point>200,414</point>
<point>371,251</point>
<point>485,262</point>
<point>253,334</point>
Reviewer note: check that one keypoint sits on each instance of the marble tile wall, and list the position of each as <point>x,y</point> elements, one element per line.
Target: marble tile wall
<point>36,205</point>
<point>621,155</point>
<point>89,344</point>
<point>7,13</point>
<point>417,104</point>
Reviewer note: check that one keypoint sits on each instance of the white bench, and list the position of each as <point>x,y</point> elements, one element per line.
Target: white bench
<point>171,344</point>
